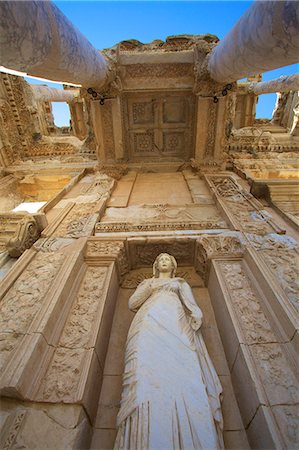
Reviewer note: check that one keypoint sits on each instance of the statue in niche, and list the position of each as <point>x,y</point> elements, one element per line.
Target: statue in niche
<point>171,392</point>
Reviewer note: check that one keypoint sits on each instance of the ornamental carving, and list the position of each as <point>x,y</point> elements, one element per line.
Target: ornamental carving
<point>27,232</point>
<point>79,222</point>
<point>23,301</point>
<point>270,360</point>
<point>109,249</point>
<point>116,172</point>
<point>158,70</point>
<point>19,231</point>
<point>13,429</point>
<point>223,245</point>
<point>247,212</point>
<point>52,244</point>
<point>161,217</point>
<point>252,320</point>
<point>69,360</point>
<point>211,130</point>
<point>107,126</point>
<point>281,255</point>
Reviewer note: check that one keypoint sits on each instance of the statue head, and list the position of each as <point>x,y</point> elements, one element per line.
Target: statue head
<point>164,262</point>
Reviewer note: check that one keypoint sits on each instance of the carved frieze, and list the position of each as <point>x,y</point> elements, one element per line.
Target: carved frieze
<point>12,430</point>
<point>211,130</point>
<point>24,299</point>
<point>246,304</point>
<point>222,245</point>
<point>161,217</point>
<point>158,70</point>
<point>107,125</point>
<point>268,354</point>
<point>245,212</point>
<point>104,249</point>
<point>281,256</point>
<point>68,363</point>
<point>79,222</point>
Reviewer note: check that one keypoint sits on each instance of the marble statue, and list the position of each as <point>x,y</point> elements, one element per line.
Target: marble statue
<point>171,392</point>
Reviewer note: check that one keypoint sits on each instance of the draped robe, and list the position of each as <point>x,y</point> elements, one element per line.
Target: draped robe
<point>171,392</point>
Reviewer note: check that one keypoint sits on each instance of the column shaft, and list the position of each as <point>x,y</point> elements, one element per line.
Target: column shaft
<point>47,94</point>
<point>36,38</point>
<point>265,38</point>
<point>281,84</point>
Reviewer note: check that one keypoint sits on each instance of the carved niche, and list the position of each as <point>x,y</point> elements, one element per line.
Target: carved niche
<point>159,125</point>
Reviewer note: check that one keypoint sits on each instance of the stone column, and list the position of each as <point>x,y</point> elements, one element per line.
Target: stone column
<point>47,94</point>
<point>265,38</point>
<point>36,38</point>
<point>281,84</point>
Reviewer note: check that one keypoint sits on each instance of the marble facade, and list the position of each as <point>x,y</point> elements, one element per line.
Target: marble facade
<point>159,159</point>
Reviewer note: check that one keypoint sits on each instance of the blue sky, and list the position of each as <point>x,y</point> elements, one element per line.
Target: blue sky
<point>105,23</point>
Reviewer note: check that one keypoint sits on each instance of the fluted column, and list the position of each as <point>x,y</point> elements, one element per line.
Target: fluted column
<point>265,38</point>
<point>281,84</point>
<point>47,94</point>
<point>36,38</point>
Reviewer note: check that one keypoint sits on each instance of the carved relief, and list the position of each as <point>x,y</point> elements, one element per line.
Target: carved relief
<point>23,301</point>
<point>211,130</point>
<point>158,70</point>
<point>246,305</point>
<point>110,249</point>
<point>28,231</point>
<point>115,172</point>
<point>209,246</point>
<point>107,124</point>
<point>13,430</point>
<point>159,124</point>
<point>281,256</point>
<point>52,244</point>
<point>63,376</point>
<point>79,222</point>
<point>161,217</point>
<point>245,209</point>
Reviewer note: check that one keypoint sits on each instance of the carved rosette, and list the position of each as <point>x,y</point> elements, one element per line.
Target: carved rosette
<point>28,231</point>
<point>228,245</point>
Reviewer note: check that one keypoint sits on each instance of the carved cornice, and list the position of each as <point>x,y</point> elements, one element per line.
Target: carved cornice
<point>109,251</point>
<point>226,245</point>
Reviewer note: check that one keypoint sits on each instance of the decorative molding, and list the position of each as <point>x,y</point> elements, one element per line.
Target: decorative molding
<point>245,212</point>
<point>106,227</point>
<point>68,364</point>
<point>27,232</point>
<point>13,429</point>
<point>24,299</point>
<point>211,130</point>
<point>226,245</point>
<point>108,250</point>
<point>19,231</point>
<point>281,256</point>
<point>158,71</point>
